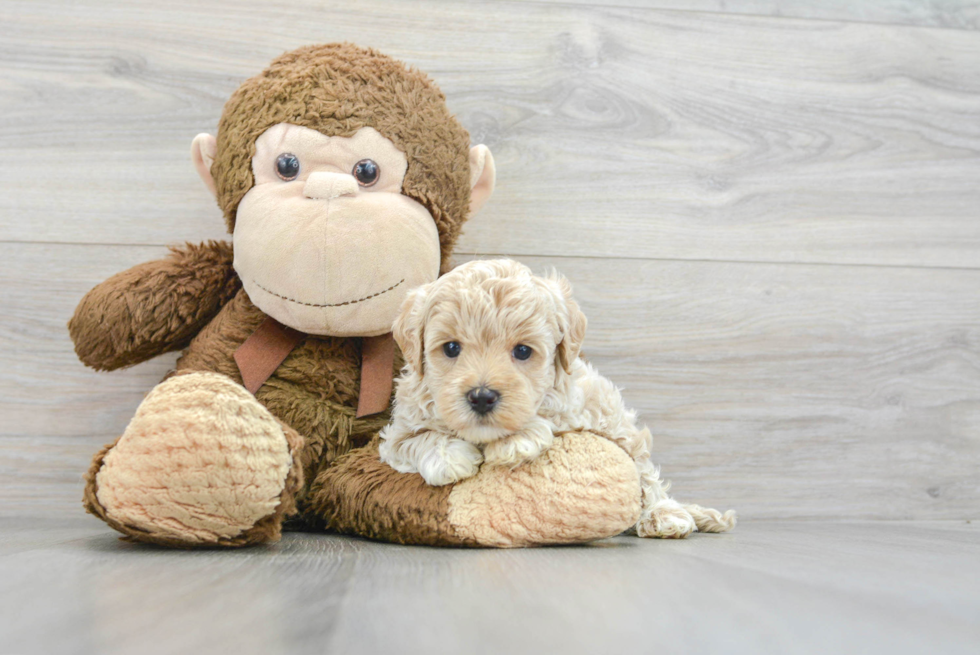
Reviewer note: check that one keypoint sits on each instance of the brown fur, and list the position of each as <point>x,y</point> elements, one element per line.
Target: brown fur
<point>361,496</point>
<point>194,300</point>
<point>153,308</point>
<point>314,390</point>
<point>337,89</point>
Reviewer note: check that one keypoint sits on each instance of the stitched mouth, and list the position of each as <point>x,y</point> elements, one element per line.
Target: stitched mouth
<point>338,304</point>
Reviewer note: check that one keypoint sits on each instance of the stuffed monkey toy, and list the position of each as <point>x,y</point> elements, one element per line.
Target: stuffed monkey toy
<point>344,181</point>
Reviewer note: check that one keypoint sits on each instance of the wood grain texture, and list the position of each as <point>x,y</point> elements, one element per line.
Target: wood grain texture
<point>40,285</point>
<point>681,167</point>
<point>772,223</point>
<point>950,14</point>
<point>779,390</point>
<point>777,587</point>
<point>658,134</point>
<point>42,476</point>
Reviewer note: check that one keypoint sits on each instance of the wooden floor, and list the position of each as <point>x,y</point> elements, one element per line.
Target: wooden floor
<point>69,586</point>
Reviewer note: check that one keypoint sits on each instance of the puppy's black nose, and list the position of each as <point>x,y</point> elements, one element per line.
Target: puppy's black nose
<point>482,400</point>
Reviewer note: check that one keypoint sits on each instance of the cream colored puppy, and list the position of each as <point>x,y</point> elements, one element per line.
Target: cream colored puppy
<point>493,372</point>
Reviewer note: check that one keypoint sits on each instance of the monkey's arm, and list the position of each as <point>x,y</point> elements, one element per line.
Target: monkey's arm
<point>154,307</point>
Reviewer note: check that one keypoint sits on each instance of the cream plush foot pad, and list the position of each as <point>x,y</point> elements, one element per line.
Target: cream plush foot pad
<point>202,460</point>
<point>583,488</point>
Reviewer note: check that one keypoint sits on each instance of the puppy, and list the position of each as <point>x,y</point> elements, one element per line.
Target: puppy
<point>493,372</point>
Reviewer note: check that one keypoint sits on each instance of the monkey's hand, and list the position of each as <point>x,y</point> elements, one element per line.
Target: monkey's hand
<point>155,307</point>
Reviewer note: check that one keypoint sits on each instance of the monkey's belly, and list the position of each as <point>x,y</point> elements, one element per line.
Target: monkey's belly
<point>314,390</point>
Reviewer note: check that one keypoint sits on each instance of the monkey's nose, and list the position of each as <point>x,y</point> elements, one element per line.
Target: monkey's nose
<point>482,400</point>
<point>327,186</point>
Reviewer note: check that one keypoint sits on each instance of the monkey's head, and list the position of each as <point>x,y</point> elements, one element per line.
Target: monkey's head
<point>345,181</point>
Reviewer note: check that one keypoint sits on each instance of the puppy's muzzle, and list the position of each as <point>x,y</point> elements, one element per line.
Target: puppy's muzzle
<point>482,400</point>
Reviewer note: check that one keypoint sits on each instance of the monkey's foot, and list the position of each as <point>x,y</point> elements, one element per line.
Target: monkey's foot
<point>583,488</point>
<point>202,463</point>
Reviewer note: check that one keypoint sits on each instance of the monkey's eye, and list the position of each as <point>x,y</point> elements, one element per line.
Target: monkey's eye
<point>522,352</point>
<point>366,172</point>
<point>287,166</point>
<point>451,349</point>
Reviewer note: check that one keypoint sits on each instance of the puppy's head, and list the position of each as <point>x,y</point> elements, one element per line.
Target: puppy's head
<point>489,340</point>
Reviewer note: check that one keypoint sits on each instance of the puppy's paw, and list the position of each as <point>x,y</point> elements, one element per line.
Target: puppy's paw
<point>666,521</point>
<point>711,520</point>
<point>520,447</point>
<point>511,451</point>
<point>452,462</point>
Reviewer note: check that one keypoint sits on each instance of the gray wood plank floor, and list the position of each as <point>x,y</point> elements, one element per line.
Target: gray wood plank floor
<point>769,587</point>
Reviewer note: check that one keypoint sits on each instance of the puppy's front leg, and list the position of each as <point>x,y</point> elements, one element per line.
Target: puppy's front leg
<point>438,457</point>
<point>512,450</point>
<point>446,459</point>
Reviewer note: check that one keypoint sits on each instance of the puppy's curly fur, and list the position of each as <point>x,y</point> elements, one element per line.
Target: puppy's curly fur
<point>493,372</point>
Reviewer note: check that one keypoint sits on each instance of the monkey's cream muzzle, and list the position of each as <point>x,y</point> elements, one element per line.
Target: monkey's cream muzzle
<point>322,254</point>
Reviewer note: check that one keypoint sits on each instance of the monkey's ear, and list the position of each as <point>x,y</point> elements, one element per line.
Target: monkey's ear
<point>203,149</point>
<point>573,326</point>
<point>408,329</point>
<point>483,176</point>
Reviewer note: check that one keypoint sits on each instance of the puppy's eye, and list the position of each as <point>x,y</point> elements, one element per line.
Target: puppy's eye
<point>451,349</point>
<point>366,172</point>
<point>287,166</point>
<point>522,352</point>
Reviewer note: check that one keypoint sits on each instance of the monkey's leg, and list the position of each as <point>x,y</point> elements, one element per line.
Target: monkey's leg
<point>583,488</point>
<point>202,463</point>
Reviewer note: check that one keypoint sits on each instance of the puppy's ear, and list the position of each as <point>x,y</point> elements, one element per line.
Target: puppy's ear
<point>572,323</point>
<point>408,329</point>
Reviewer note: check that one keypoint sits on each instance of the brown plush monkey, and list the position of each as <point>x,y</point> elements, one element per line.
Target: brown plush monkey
<point>345,181</point>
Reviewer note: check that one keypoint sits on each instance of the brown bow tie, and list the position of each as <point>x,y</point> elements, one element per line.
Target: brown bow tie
<point>267,348</point>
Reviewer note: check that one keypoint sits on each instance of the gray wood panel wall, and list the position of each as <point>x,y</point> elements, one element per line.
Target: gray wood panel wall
<point>770,211</point>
